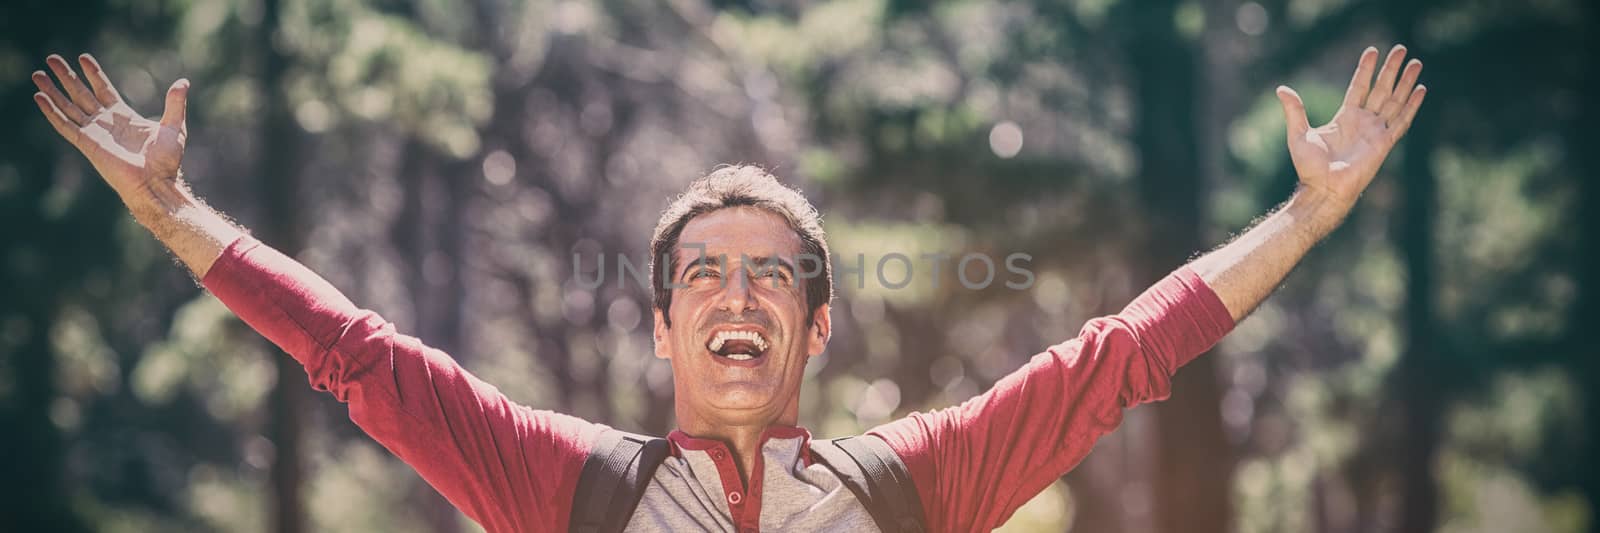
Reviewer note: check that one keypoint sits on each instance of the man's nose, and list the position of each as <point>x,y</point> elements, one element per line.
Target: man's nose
<point>736,290</point>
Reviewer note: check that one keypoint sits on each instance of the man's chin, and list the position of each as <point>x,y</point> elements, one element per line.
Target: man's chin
<point>741,397</point>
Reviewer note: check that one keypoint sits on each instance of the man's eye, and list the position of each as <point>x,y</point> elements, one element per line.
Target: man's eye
<point>703,274</point>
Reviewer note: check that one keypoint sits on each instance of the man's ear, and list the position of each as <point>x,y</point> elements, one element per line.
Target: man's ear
<point>819,332</point>
<point>663,347</point>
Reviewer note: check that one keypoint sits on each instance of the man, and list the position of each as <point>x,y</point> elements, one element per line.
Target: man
<point>737,344</point>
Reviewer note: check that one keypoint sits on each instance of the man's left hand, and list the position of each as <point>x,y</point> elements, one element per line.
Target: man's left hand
<point>1337,160</point>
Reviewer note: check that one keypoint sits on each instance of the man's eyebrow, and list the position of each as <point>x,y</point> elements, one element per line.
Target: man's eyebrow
<point>709,261</point>
<point>760,261</point>
<point>764,261</point>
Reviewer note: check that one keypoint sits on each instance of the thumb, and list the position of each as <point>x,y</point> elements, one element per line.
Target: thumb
<point>177,102</point>
<point>1294,112</point>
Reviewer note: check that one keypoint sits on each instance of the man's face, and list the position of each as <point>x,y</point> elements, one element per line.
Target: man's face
<point>739,338</point>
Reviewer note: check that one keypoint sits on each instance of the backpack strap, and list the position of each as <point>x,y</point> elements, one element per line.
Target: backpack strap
<point>871,470</point>
<point>613,480</point>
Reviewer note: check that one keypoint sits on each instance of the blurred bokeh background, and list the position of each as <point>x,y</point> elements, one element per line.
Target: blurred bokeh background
<point>1425,369</point>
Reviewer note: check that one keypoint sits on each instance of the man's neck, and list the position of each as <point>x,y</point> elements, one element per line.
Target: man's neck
<point>745,444</point>
<point>743,440</point>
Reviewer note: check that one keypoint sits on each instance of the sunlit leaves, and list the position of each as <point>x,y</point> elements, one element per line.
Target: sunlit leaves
<point>830,30</point>
<point>199,355</point>
<point>374,67</point>
<point>1510,427</point>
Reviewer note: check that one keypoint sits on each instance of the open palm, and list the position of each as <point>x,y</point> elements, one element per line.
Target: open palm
<point>1341,157</point>
<point>127,149</point>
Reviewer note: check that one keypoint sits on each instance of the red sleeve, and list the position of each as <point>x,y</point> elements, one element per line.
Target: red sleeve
<point>974,464</point>
<point>509,467</point>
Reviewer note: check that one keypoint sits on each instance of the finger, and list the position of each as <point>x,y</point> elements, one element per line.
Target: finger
<point>1408,79</point>
<point>73,85</point>
<point>1384,87</point>
<point>58,120</point>
<point>1294,112</point>
<point>68,109</point>
<point>1414,102</point>
<point>104,91</point>
<point>1361,82</point>
<point>177,102</point>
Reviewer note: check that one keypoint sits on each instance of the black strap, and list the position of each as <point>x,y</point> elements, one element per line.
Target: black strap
<point>871,470</point>
<point>613,480</point>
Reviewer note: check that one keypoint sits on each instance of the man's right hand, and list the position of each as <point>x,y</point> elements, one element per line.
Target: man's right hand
<point>137,156</point>
<point>131,152</point>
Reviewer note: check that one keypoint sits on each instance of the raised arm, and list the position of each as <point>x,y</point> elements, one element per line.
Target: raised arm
<point>509,467</point>
<point>976,463</point>
<point>1335,162</point>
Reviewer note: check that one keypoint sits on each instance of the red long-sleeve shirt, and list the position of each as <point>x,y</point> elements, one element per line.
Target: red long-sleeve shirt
<point>513,468</point>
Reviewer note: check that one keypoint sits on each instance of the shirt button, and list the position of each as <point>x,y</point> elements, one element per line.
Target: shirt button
<point>734,498</point>
<point>717,454</point>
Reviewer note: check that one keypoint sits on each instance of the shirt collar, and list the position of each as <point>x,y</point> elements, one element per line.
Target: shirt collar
<point>682,441</point>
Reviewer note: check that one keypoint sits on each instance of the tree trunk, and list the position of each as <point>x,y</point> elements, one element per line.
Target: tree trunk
<point>1582,136</point>
<point>278,184</point>
<point>1194,461</point>
<point>48,256</point>
<point>1421,397</point>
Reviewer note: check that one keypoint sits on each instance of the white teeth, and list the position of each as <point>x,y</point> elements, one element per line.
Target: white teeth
<point>722,337</point>
<point>741,356</point>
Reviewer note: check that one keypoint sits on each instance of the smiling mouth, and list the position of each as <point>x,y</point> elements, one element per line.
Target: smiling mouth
<point>738,345</point>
